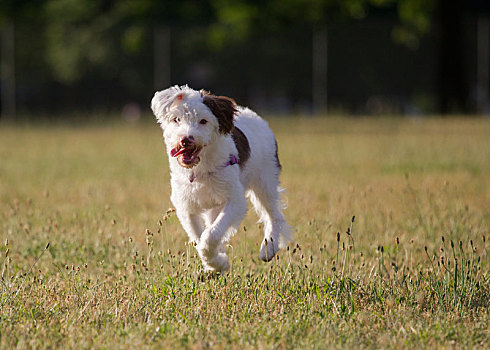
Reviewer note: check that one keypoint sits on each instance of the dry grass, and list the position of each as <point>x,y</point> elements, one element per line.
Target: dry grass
<point>410,271</point>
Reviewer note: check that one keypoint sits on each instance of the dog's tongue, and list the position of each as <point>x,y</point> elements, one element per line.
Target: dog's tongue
<point>175,152</point>
<point>189,156</point>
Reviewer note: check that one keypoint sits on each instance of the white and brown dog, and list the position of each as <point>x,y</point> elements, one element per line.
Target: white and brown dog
<point>219,153</point>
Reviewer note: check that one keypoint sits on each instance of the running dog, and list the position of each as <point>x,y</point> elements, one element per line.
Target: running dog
<point>219,154</point>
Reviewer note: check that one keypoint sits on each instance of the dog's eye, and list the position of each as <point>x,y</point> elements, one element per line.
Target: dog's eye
<point>203,121</point>
<point>176,120</point>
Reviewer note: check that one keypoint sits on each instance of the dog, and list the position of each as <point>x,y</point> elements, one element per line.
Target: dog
<point>219,154</point>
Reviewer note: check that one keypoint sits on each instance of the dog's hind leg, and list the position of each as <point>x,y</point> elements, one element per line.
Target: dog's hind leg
<point>268,204</point>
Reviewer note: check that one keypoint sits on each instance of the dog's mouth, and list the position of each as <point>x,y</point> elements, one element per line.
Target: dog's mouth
<point>186,156</point>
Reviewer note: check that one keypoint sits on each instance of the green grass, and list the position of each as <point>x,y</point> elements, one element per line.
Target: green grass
<point>410,271</point>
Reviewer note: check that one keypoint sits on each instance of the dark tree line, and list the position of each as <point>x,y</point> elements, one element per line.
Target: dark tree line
<point>65,54</point>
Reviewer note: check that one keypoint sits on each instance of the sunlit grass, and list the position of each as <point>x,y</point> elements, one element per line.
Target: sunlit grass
<point>391,218</point>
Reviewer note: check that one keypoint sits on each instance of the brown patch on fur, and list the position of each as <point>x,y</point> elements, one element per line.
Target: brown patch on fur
<point>224,108</point>
<point>242,145</point>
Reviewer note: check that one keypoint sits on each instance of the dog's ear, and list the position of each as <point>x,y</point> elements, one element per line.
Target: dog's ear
<point>163,100</point>
<point>224,108</point>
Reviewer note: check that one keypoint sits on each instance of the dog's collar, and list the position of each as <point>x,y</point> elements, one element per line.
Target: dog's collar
<point>233,160</point>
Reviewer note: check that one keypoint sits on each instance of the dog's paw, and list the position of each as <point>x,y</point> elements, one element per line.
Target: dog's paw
<point>217,263</point>
<point>268,249</point>
<point>220,262</point>
<point>213,256</point>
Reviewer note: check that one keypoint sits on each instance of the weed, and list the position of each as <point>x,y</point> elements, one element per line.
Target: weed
<point>410,269</point>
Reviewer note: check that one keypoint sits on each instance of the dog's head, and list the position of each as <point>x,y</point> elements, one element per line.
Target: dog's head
<point>191,120</point>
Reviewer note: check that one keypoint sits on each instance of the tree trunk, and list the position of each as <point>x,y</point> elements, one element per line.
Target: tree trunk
<point>453,88</point>
<point>483,61</point>
<point>319,71</point>
<point>161,77</point>
<point>8,70</point>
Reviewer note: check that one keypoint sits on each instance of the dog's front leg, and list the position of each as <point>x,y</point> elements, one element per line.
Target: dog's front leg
<point>191,224</point>
<point>210,247</point>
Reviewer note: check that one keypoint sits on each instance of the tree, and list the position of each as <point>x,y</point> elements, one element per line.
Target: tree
<point>238,20</point>
<point>11,11</point>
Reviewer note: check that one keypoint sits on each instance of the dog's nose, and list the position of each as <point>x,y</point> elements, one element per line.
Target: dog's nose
<point>187,141</point>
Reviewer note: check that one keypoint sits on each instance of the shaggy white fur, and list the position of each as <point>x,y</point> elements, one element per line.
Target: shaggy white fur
<point>219,154</point>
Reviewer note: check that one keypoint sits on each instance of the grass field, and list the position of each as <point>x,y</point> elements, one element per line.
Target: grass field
<point>410,271</point>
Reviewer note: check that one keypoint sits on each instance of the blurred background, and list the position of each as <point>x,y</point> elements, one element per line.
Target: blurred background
<point>369,57</point>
